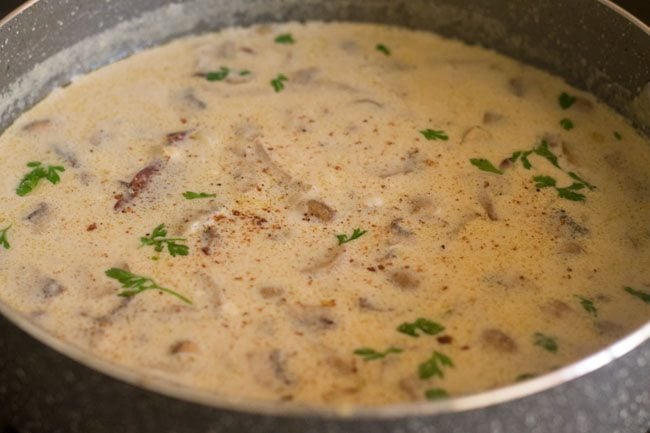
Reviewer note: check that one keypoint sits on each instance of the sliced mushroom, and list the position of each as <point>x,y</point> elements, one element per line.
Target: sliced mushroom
<point>37,125</point>
<point>491,117</point>
<point>66,155</point>
<point>139,183</point>
<point>320,210</point>
<point>184,346</point>
<point>51,289</point>
<point>476,134</point>
<point>556,308</point>
<point>404,280</point>
<point>397,229</point>
<point>517,87</point>
<point>325,261</point>
<point>498,340</point>
<point>39,214</point>
<point>488,206</point>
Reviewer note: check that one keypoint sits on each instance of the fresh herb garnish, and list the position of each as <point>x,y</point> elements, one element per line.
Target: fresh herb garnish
<point>424,325</point>
<point>194,195</point>
<point>568,193</point>
<point>219,75</point>
<point>285,38</point>
<point>31,179</point>
<point>485,165</point>
<point>278,82</point>
<point>383,48</point>
<point>435,394</point>
<point>566,124</point>
<point>433,366</point>
<point>3,238</point>
<point>574,176</point>
<point>544,151</point>
<point>566,100</point>
<point>244,73</point>
<point>369,354</point>
<point>618,135</point>
<point>357,233</point>
<point>544,341</point>
<point>588,305</point>
<point>432,134</point>
<point>525,376</point>
<point>523,155</point>
<point>158,239</point>
<point>645,297</point>
<point>136,284</point>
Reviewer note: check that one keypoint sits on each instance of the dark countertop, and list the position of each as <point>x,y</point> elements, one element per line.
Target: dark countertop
<point>637,7</point>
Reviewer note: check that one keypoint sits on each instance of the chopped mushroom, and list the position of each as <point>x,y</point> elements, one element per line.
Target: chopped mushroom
<point>476,134</point>
<point>37,125</point>
<point>556,308</point>
<point>320,210</point>
<point>139,183</point>
<point>184,346</point>
<point>498,340</point>
<point>38,215</point>
<point>404,280</point>
<point>52,288</point>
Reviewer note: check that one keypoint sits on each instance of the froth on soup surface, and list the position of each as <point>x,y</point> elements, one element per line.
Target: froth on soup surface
<point>329,214</point>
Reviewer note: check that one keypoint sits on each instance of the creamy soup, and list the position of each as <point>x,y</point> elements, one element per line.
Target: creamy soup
<point>329,214</point>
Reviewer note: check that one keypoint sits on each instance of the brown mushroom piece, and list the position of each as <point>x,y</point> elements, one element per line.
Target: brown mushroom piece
<point>37,125</point>
<point>139,183</point>
<point>39,214</point>
<point>320,210</point>
<point>52,288</point>
<point>491,117</point>
<point>404,280</point>
<point>184,346</point>
<point>498,340</point>
<point>556,308</point>
<point>488,206</point>
<point>397,229</point>
<point>517,87</point>
<point>475,134</point>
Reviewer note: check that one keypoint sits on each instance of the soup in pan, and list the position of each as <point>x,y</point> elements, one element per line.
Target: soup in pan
<point>329,214</point>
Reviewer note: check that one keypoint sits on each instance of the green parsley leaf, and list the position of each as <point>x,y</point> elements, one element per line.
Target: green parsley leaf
<point>31,179</point>
<point>357,233</point>
<point>219,75</point>
<point>278,82</point>
<point>566,100</point>
<point>435,394</point>
<point>645,297</point>
<point>194,195</point>
<point>369,354</point>
<point>431,134</point>
<point>158,240</point>
<point>588,305</point>
<point>544,181</point>
<point>434,366</point>
<point>566,124</point>
<point>424,325</point>
<point>581,180</point>
<point>383,48</point>
<point>285,38</point>
<point>136,284</point>
<point>485,165</point>
<point>244,73</point>
<point>569,193</point>
<point>544,341</point>
<point>4,242</point>
<point>544,151</point>
<point>618,135</point>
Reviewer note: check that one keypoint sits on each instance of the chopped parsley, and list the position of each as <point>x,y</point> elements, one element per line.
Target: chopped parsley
<point>566,100</point>
<point>369,354</point>
<point>244,72</point>
<point>4,242</point>
<point>31,179</point>
<point>383,48</point>
<point>435,394</point>
<point>136,284</point>
<point>618,135</point>
<point>645,297</point>
<point>588,305</point>
<point>544,151</point>
<point>485,165</point>
<point>545,342</point>
<point>158,240</point>
<point>219,75</point>
<point>285,38</point>
<point>566,124</point>
<point>523,156</point>
<point>194,195</point>
<point>568,193</point>
<point>432,134</point>
<point>424,325</point>
<point>356,234</point>
<point>278,82</point>
<point>434,366</point>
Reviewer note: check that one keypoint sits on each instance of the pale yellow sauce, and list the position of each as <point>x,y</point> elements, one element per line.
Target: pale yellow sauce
<point>278,307</point>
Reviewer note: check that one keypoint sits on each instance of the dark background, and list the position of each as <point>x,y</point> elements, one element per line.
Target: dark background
<point>640,8</point>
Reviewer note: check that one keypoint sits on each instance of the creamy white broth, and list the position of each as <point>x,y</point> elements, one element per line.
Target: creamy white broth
<point>522,280</point>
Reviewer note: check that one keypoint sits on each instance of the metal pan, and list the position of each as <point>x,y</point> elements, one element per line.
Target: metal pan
<point>49,386</point>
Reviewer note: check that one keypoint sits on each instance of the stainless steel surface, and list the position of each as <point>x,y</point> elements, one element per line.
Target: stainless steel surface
<point>43,391</point>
